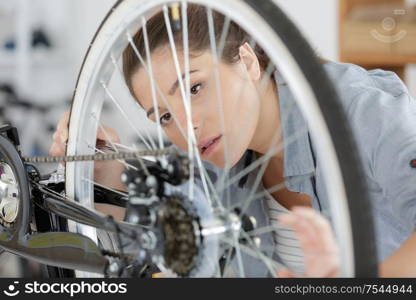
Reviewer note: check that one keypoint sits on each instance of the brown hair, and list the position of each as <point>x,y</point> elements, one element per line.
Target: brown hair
<point>198,35</point>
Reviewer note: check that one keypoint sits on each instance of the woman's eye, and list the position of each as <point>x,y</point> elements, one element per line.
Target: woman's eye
<point>196,88</point>
<point>165,119</point>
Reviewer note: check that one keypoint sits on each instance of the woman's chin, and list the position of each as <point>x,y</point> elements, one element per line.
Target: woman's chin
<point>220,161</point>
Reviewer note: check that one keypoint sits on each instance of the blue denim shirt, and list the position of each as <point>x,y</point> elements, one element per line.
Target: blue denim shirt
<point>382,116</point>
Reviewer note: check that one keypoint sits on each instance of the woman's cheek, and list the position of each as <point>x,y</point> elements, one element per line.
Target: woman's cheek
<point>173,137</point>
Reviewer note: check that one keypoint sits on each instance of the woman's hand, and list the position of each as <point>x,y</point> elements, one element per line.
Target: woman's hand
<point>60,137</point>
<point>321,253</point>
<point>106,173</point>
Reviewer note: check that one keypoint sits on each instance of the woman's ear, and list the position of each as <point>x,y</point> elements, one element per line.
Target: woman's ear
<point>250,61</point>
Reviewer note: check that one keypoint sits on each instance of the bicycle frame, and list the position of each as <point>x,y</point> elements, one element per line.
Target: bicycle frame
<point>62,249</point>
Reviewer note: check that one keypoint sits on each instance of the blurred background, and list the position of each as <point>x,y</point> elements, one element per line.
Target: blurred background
<point>43,42</point>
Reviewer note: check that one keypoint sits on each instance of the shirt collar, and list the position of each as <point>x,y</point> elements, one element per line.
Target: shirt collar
<point>298,156</point>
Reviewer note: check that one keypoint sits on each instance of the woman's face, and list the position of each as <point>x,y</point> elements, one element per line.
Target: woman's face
<point>226,114</point>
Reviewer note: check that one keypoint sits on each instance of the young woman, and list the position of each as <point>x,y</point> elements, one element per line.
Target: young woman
<point>382,115</point>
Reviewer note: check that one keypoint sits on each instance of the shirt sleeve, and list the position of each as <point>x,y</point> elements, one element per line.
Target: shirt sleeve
<point>385,129</point>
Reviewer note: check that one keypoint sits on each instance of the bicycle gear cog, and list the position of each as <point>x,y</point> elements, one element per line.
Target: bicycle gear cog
<point>180,227</point>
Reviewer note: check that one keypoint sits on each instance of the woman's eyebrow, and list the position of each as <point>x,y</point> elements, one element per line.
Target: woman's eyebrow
<point>151,111</point>
<point>176,84</point>
<point>171,92</point>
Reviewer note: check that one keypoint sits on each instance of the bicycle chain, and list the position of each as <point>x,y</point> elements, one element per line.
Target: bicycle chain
<point>99,156</point>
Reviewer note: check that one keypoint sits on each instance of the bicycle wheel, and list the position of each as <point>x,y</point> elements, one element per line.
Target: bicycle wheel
<point>101,82</point>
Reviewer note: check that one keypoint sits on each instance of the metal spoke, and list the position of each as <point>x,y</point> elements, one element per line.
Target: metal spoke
<point>272,265</point>
<point>238,254</point>
<point>263,87</point>
<point>122,161</point>
<point>224,35</point>
<point>258,180</point>
<point>160,93</point>
<point>188,93</point>
<point>191,134</point>
<point>205,179</point>
<point>120,72</point>
<point>218,94</point>
<point>152,82</point>
<point>263,159</point>
<point>266,260</point>
<point>225,177</point>
<point>276,188</point>
<point>114,148</point>
<point>110,95</point>
<point>260,173</point>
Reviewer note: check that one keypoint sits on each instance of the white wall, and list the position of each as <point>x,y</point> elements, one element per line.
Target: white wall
<point>39,74</point>
<point>318,19</point>
<point>88,15</point>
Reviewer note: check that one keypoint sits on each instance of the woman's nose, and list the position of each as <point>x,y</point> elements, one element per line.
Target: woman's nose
<point>195,128</point>
<point>195,122</point>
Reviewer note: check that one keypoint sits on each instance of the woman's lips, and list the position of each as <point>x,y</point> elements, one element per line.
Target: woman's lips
<point>206,146</point>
